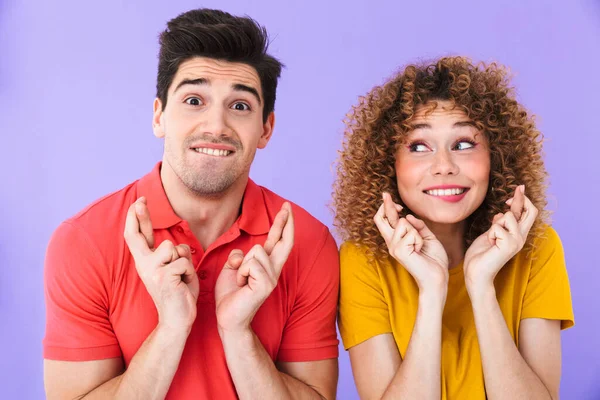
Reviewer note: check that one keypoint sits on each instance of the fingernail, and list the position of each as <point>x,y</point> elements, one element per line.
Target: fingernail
<point>139,209</point>
<point>237,252</point>
<point>522,188</point>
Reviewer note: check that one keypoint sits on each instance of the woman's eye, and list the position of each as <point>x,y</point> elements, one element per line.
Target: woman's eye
<point>418,147</point>
<point>193,101</point>
<point>463,145</point>
<point>241,107</point>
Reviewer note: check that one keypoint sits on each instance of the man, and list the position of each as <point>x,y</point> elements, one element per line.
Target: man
<point>194,282</point>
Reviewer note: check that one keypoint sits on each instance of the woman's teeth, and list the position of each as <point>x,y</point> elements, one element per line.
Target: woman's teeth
<point>446,192</point>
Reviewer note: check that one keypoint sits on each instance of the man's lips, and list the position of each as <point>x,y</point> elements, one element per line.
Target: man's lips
<point>213,149</point>
<point>215,146</point>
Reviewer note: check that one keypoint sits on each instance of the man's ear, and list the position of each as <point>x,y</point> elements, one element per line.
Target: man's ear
<point>157,119</point>
<point>267,131</point>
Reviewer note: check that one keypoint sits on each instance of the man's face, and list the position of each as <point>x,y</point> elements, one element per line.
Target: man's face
<point>212,124</point>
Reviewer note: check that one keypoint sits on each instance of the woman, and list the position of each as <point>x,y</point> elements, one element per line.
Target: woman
<point>453,285</point>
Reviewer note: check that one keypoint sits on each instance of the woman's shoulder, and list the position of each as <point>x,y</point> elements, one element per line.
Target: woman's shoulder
<point>353,249</point>
<point>359,262</point>
<point>546,241</point>
<point>546,248</point>
<point>355,255</point>
<point>358,259</point>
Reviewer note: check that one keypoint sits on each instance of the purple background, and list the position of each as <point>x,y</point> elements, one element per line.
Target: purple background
<point>76,88</point>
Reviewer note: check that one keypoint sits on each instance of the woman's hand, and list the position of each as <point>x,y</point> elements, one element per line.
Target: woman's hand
<point>506,237</point>
<point>412,244</point>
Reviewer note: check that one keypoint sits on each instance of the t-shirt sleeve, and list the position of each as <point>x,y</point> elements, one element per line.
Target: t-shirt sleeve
<point>548,294</point>
<point>363,309</point>
<point>77,299</point>
<point>310,334</point>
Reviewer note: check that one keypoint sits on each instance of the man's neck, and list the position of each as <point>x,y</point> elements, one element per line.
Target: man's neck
<point>208,217</point>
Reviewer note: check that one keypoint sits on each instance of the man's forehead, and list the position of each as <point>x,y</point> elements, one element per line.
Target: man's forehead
<point>217,70</point>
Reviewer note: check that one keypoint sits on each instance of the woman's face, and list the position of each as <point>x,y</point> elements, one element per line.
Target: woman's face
<point>443,169</point>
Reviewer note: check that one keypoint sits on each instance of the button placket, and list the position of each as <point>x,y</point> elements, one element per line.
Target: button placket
<point>188,237</point>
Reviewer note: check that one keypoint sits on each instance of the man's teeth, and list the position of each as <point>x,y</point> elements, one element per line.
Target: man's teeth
<point>213,152</point>
<point>446,192</point>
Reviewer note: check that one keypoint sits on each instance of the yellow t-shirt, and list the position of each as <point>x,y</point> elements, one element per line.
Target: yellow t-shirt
<point>382,298</point>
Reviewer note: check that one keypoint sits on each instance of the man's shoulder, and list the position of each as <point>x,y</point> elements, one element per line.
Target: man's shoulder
<point>309,231</point>
<point>104,218</point>
<point>91,241</point>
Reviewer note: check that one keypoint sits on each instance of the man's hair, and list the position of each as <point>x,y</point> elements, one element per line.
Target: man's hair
<point>221,36</point>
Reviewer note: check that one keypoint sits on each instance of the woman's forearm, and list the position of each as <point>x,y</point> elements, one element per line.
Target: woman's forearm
<point>507,375</point>
<point>419,374</point>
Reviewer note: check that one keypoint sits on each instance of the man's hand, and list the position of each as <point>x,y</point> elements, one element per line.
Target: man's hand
<point>246,281</point>
<point>167,272</point>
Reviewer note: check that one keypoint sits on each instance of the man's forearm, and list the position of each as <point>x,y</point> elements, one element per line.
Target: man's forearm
<point>151,370</point>
<point>507,375</point>
<point>254,374</point>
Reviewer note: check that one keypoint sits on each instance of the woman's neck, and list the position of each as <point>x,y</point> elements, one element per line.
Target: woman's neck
<point>452,237</point>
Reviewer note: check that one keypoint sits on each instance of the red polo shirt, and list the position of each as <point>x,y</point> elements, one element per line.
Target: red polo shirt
<point>97,307</point>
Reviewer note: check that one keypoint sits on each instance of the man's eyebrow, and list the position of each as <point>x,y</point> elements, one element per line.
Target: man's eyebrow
<point>198,81</point>
<point>238,87</point>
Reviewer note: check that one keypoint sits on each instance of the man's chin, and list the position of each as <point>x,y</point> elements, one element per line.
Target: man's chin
<point>206,186</point>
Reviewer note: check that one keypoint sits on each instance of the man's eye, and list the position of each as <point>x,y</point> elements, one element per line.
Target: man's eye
<point>241,106</point>
<point>193,101</point>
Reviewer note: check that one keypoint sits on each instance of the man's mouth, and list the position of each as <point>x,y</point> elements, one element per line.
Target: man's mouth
<point>212,152</point>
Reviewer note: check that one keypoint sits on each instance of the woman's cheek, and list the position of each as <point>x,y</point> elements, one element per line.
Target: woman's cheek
<point>477,166</point>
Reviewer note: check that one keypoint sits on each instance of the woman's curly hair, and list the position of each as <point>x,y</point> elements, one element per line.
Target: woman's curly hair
<point>380,123</point>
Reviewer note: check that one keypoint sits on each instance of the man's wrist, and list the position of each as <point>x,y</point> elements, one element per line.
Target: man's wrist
<point>169,333</point>
<point>238,341</point>
<point>242,333</point>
